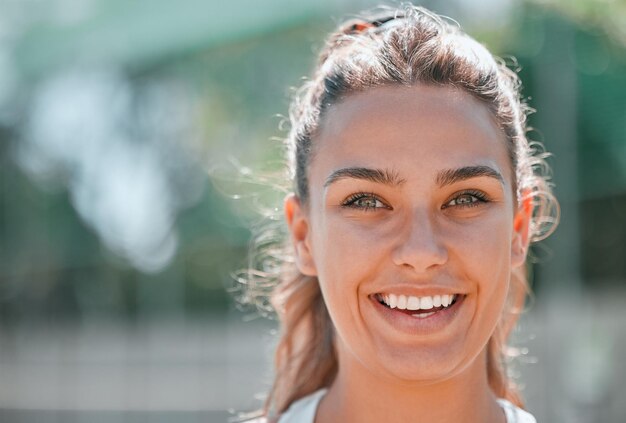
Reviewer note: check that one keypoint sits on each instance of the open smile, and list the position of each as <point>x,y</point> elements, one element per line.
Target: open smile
<point>418,315</point>
<point>421,306</point>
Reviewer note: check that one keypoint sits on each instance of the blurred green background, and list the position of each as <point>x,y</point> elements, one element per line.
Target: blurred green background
<point>126,131</point>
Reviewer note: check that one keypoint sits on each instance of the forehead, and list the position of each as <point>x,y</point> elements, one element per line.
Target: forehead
<point>413,129</point>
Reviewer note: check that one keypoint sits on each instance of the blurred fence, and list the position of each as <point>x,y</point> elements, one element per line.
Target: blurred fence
<point>207,370</point>
<point>127,131</point>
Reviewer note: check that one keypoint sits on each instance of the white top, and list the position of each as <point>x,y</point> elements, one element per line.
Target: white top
<point>303,410</point>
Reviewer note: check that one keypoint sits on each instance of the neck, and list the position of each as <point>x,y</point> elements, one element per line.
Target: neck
<point>359,395</point>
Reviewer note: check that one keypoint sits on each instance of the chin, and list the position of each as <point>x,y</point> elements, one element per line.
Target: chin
<point>421,367</point>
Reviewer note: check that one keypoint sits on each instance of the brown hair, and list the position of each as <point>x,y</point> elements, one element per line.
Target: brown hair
<point>405,46</point>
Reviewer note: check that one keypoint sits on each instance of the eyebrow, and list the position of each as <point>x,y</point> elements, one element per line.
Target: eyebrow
<point>380,176</point>
<point>391,177</point>
<point>451,176</point>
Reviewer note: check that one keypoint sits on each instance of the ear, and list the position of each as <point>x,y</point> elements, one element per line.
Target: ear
<point>299,230</point>
<point>521,227</point>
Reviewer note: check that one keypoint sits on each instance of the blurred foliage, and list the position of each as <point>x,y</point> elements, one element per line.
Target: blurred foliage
<point>606,16</point>
<point>233,81</point>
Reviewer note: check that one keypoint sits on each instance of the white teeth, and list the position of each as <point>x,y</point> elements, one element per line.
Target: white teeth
<point>403,302</point>
<point>393,301</point>
<point>413,303</point>
<point>422,315</point>
<point>445,300</point>
<point>437,301</point>
<point>426,303</point>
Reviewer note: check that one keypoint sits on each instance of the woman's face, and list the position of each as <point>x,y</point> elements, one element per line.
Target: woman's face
<point>411,200</point>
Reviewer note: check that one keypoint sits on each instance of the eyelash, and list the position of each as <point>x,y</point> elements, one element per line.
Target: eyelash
<point>480,196</point>
<point>351,200</point>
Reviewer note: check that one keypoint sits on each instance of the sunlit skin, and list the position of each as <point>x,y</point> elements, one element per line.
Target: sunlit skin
<point>425,228</point>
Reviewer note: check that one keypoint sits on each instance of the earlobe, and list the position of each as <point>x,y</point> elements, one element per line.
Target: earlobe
<point>299,231</point>
<point>521,228</point>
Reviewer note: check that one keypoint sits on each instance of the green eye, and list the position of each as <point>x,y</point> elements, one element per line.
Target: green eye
<point>364,201</point>
<point>467,199</point>
<point>367,203</point>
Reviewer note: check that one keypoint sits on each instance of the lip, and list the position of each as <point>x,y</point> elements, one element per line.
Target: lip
<point>419,326</point>
<point>422,291</point>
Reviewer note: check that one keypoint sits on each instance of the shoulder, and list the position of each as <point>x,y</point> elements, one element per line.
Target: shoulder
<point>514,414</point>
<point>301,411</point>
<point>304,409</point>
<point>254,417</point>
<point>260,419</point>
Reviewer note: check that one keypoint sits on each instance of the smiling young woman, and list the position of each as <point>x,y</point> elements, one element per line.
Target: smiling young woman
<point>416,196</point>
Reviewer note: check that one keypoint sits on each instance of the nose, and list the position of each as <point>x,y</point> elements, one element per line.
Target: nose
<point>420,244</point>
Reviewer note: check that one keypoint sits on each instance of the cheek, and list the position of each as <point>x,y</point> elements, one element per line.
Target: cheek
<point>483,246</point>
<point>348,247</point>
<point>483,256</point>
<point>348,256</point>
